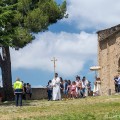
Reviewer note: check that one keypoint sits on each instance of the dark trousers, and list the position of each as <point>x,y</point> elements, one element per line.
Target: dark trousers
<point>49,94</point>
<point>30,95</point>
<point>18,99</point>
<point>118,87</point>
<point>24,96</point>
<point>81,93</point>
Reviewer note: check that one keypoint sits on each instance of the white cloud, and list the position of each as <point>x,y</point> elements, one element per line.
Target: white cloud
<point>97,14</point>
<point>71,50</point>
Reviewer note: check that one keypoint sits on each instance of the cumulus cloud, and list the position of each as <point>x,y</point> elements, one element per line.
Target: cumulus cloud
<point>97,14</point>
<point>71,50</point>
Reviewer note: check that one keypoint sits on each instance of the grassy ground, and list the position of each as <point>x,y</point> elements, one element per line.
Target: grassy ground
<point>91,108</point>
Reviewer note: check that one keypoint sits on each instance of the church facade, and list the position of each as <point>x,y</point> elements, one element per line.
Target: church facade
<point>108,58</point>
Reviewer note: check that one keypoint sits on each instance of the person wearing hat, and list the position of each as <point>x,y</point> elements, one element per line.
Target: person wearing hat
<point>18,90</point>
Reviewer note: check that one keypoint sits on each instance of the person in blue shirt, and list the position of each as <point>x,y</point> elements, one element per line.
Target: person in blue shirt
<point>49,90</point>
<point>65,84</point>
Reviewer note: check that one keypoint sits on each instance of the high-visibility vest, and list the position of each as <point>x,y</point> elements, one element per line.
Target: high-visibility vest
<point>18,85</point>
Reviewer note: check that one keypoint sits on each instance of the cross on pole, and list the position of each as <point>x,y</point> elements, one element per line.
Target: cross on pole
<point>54,61</point>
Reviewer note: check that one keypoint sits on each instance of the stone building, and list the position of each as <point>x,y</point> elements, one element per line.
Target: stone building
<point>108,57</point>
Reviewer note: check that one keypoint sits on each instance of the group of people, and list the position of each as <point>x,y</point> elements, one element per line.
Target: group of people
<point>69,89</point>
<point>21,91</point>
<point>27,91</point>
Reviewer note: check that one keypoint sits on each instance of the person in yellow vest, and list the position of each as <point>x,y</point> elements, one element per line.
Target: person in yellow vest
<point>18,90</point>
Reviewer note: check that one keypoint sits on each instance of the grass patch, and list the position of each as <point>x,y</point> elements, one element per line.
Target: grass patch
<point>91,108</point>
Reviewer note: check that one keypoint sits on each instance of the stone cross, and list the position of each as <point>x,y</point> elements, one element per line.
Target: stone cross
<point>54,61</point>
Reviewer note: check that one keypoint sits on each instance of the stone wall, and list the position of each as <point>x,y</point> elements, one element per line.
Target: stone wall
<point>108,57</point>
<point>103,34</point>
<point>37,93</point>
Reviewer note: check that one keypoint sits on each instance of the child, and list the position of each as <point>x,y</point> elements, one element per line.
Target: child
<point>49,90</point>
<point>73,89</point>
<point>27,91</point>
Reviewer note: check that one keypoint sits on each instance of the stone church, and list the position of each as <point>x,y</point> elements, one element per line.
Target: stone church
<point>108,58</point>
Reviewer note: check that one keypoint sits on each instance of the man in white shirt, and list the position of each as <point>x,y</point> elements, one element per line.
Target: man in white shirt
<point>56,87</point>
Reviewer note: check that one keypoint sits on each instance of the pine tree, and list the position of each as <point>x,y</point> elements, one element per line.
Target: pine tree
<point>19,20</point>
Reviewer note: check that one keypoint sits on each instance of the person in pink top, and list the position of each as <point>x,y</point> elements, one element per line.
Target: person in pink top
<point>73,89</point>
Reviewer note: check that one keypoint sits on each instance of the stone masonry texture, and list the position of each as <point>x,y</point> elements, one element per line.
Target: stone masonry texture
<point>109,57</point>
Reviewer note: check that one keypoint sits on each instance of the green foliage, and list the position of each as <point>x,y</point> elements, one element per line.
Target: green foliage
<point>22,37</point>
<point>19,19</point>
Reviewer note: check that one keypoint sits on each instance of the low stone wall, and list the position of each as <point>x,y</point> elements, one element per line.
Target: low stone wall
<point>37,93</point>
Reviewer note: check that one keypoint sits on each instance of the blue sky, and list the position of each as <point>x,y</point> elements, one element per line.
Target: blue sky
<point>72,41</point>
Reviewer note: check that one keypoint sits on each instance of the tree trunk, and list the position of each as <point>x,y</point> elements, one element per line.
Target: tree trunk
<point>6,73</point>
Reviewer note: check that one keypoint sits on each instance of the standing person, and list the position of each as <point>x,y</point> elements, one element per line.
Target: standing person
<point>24,91</point>
<point>49,90</point>
<point>69,89</point>
<point>73,89</point>
<point>118,80</point>
<point>61,85</point>
<point>89,87</point>
<point>65,89</point>
<point>56,87</point>
<point>27,91</point>
<point>116,83</point>
<point>80,92</point>
<point>85,85</point>
<point>95,93</point>
<point>18,89</point>
<point>77,86</point>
